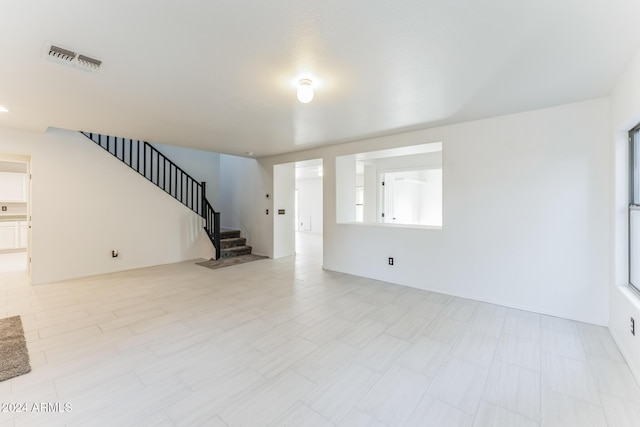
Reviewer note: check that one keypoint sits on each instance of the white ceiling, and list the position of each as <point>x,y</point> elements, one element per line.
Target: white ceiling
<point>220,75</point>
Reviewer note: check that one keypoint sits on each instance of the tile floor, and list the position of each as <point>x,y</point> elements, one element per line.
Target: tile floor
<point>284,343</point>
<point>13,262</point>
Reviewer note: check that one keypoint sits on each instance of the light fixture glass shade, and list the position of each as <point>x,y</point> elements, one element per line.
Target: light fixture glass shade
<point>305,91</point>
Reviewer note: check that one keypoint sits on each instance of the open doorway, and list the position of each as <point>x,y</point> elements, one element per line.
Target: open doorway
<point>297,209</point>
<point>309,207</point>
<point>15,216</point>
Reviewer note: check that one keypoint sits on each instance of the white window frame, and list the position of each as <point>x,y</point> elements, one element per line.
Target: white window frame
<point>634,207</point>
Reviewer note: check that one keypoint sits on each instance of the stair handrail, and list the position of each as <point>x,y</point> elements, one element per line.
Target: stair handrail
<point>149,162</point>
<point>212,225</point>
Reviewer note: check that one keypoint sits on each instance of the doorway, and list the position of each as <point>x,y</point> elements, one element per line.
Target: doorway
<point>309,177</point>
<point>298,208</point>
<point>412,197</point>
<point>15,217</point>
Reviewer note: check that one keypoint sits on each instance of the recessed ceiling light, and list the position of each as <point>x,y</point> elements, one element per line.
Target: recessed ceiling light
<point>3,109</point>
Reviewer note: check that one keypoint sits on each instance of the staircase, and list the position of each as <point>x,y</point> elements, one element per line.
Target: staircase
<point>232,244</point>
<point>145,159</point>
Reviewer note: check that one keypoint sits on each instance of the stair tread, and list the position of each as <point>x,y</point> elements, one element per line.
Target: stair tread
<point>235,251</point>
<point>226,233</point>
<point>232,242</point>
<point>237,248</point>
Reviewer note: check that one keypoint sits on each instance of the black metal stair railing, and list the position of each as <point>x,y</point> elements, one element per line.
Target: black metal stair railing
<point>212,225</point>
<point>145,159</point>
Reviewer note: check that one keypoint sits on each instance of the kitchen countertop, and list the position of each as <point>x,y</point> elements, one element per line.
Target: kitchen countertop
<point>12,216</point>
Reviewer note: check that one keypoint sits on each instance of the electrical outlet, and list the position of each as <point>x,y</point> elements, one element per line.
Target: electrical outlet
<point>633,327</point>
<point>267,210</point>
<point>114,253</point>
<point>390,260</point>
<point>4,209</point>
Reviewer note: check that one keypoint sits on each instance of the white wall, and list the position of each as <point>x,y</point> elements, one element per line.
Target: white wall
<point>13,167</point>
<point>525,213</point>
<point>310,202</point>
<point>86,203</point>
<point>201,165</point>
<point>370,201</point>
<point>625,114</point>
<point>344,195</point>
<point>284,179</point>
<point>431,160</point>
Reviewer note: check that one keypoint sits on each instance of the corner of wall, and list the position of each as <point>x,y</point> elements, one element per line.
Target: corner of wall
<point>623,305</point>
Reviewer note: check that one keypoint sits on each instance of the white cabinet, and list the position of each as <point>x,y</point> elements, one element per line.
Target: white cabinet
<point>13,197</point>
<point>13,235</point>
<point>13,187</point>
<point>23,234</point>
<point>9,235</point>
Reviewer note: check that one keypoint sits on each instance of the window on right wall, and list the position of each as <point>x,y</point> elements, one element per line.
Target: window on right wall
<point>634,208</point>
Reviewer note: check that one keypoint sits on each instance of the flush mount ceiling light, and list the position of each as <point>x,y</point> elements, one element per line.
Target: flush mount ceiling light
<point>3,109</point>
<point>305,91</point>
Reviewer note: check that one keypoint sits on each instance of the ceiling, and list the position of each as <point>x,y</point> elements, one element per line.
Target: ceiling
<point>220,75</point>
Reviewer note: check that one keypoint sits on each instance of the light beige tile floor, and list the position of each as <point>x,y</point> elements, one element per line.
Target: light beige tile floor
<point>285,343</point>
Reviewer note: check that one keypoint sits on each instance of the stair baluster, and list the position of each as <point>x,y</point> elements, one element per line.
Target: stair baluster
<point>165,174</point>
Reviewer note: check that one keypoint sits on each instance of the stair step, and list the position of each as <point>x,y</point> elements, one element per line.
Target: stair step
<point>226,233</point>
<point>235,251</point>
<point>232,242</point>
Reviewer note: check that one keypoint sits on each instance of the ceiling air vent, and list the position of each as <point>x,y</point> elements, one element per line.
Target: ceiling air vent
<point>69,57</point>
<point>88,62</point>
<point>62,54</point>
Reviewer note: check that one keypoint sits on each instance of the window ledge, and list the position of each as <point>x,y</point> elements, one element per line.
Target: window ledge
<point>631,294</point>
<point>378,224</point>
